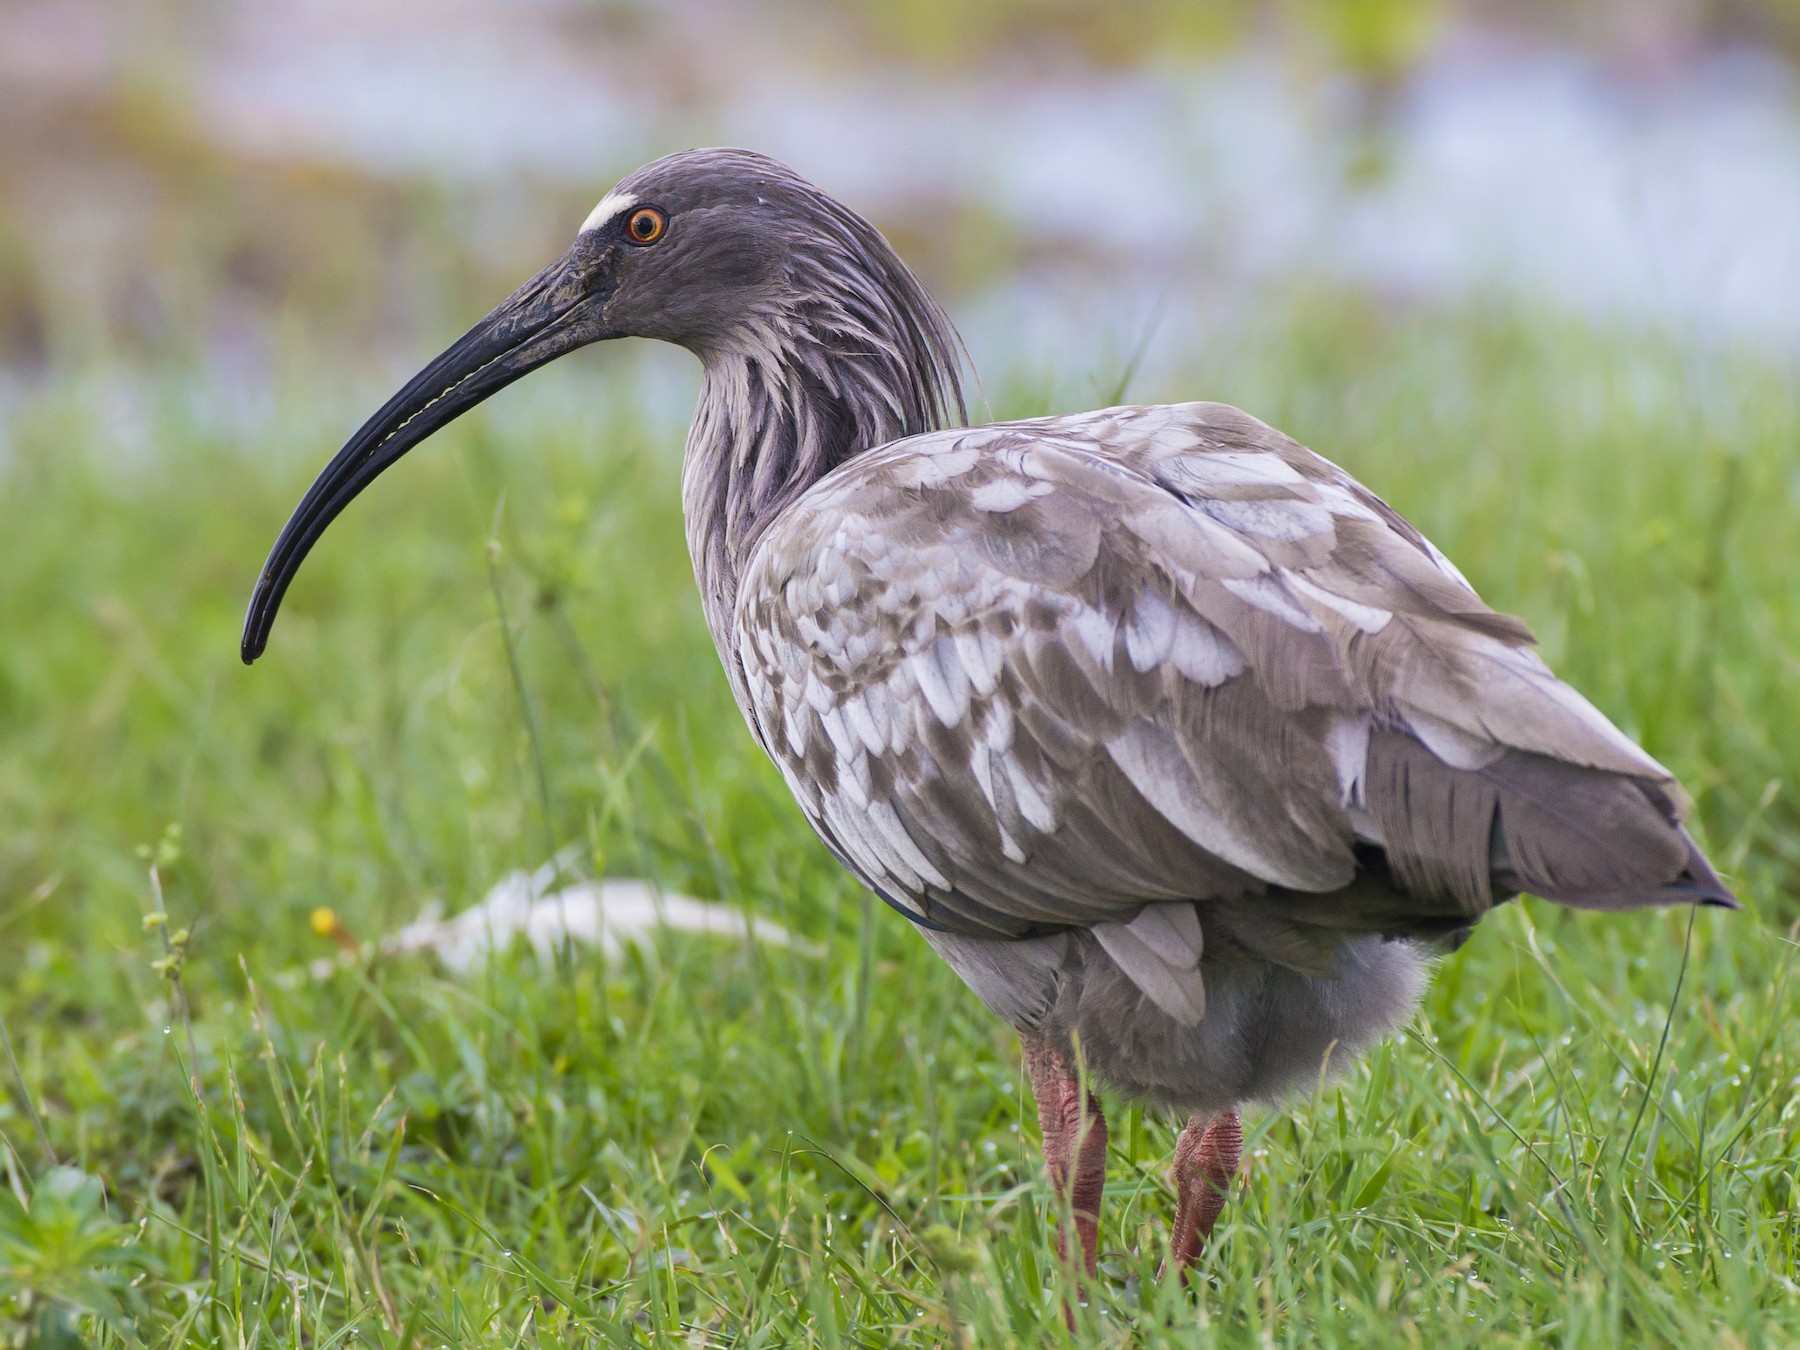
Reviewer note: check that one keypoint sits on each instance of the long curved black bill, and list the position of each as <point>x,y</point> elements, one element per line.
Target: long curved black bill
<point>555,312</point>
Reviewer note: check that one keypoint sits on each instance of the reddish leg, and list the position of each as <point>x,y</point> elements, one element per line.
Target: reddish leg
<point>1074,1144</point>
<point>1206,1162</point>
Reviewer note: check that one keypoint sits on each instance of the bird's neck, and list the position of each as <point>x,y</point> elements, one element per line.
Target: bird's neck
<point>765,430</point>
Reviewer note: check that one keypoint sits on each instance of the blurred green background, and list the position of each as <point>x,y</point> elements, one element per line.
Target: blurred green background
<point>1530,270</point>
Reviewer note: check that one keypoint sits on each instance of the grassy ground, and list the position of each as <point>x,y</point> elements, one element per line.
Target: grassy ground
<point>1589,1136</point>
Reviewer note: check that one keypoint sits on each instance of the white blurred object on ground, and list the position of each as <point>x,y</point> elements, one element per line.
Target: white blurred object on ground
<point>609,913</point>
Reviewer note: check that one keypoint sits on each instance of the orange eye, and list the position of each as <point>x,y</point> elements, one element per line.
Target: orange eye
<point>646,225</point>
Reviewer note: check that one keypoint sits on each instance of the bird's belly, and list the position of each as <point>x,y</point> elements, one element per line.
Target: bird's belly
<point>1268,1030</point>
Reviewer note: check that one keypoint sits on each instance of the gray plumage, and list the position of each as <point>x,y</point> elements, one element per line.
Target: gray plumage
<point>1169,735</point>
<point>1169,731</point>
<point>1081,673</point>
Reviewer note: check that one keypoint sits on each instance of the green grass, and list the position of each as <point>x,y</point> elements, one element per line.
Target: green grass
<point>1588,1138</point>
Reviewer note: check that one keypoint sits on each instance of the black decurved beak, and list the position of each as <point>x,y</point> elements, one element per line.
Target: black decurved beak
<point>558,310</point>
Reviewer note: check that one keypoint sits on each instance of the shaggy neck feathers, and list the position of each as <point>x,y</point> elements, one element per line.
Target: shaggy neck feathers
<point>866,358</point>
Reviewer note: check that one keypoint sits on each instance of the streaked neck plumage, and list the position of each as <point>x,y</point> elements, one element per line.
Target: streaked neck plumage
<point>865,360</point>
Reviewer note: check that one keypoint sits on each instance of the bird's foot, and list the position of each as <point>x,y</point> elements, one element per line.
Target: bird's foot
<point>1206,1162</point>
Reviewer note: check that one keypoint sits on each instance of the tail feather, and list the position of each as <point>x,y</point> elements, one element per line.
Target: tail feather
<point>1585,837</point>
<point>1697,884</point>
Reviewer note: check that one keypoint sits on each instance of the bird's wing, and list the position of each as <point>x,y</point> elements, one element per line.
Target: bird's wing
<point>1047,673</point>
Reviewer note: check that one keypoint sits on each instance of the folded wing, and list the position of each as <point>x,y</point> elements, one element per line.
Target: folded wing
<point>1085,671</point>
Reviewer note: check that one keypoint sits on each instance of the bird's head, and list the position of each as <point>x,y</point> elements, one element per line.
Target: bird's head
<point>725,252</point>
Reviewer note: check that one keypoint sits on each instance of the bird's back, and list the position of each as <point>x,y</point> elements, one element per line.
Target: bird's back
<point>1074,674</point>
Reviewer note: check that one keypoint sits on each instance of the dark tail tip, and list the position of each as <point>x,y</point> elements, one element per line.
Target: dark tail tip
<point>1701,881</point>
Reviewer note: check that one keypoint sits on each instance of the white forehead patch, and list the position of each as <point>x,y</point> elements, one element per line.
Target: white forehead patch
<point>610,205</point>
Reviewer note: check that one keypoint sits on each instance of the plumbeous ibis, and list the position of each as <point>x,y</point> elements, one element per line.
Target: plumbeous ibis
<point>1180,745</point>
